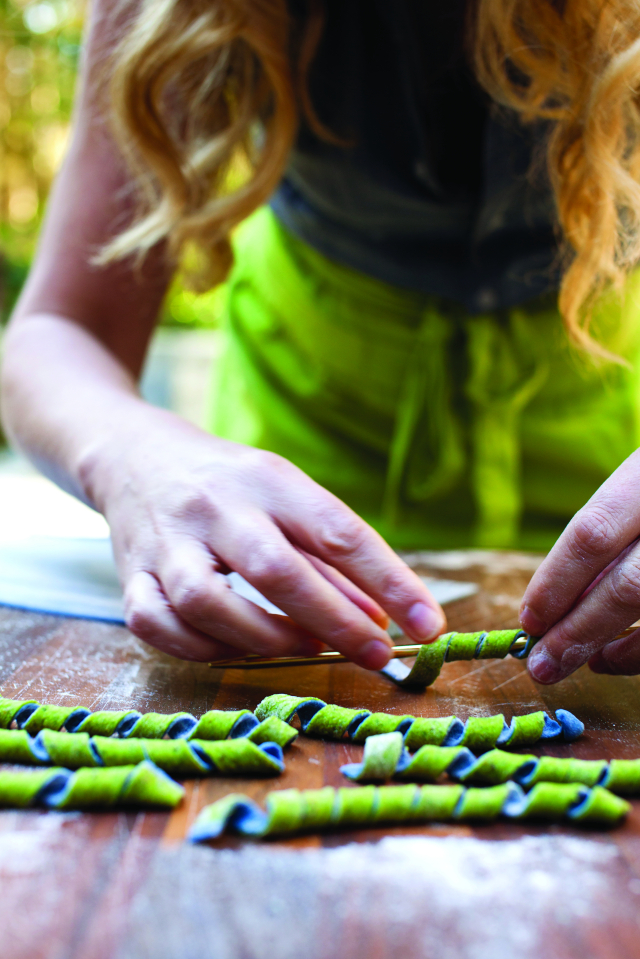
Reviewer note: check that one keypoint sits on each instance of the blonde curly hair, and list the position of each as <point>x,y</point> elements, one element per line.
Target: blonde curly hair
<point>202,89</point>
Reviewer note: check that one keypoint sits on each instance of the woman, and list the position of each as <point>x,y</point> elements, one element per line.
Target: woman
<point>393,326</point>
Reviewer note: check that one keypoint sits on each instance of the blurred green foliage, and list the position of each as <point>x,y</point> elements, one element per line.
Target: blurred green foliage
<point>39,47</point>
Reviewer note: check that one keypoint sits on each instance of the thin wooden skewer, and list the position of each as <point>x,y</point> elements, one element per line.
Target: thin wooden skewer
<point>331,656</point>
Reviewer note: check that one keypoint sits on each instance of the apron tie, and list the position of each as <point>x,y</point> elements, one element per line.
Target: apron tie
<point>499,386</point>
<point>426,454</point>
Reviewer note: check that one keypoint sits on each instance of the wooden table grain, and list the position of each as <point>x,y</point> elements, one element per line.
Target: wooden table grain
<point>126,885</point>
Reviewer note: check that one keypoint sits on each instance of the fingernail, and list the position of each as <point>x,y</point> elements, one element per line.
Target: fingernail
<point>543,667</point>
<point>374,655</point>
<point>529,621</point>
<point>424,622</point>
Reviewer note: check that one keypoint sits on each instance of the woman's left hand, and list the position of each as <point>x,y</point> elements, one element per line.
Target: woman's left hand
<point>587,590</point>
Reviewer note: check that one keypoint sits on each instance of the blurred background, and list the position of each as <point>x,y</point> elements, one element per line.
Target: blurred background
<point>39,50</point>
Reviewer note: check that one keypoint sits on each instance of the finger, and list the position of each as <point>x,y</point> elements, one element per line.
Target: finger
<point>369,606</point>
<point>607,568</point>
<point>612,605</point>
<point>619,658</point>
<point>256,549</point>
<point>322,525</point>
<point>150,617</point>
<point>594,538</point>
<point>202,597</point>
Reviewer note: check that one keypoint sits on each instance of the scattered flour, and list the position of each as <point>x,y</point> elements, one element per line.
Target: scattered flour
<point>27,851</point>
<point>411,897</point>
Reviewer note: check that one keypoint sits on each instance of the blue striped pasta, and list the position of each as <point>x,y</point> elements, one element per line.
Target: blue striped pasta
<point>291,811</point>
<point>479,733</point>
<point>385,757</point>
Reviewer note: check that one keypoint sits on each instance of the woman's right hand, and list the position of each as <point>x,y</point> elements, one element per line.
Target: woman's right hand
<point>185,507</point>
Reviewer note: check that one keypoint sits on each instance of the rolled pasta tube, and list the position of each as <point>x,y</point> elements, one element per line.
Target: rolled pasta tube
<point>383,755</point>
<point>179,757</point>
<point>495,644</point>
<point>290,811</point>
<point>216,724</point>
<point>139,785</point>
<point>271,730</point>
<point>386,758</point>
<point>479,733</point>
<point>623,777</point>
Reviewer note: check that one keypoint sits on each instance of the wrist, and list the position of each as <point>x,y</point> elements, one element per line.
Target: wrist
<point>102,464</point>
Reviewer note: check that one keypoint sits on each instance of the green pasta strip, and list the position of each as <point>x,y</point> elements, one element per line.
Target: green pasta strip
<point>376,723</point>
<point>483,732</point>
<point>119,752</point>
<point>382,755</point>
<point>327,721</point>
<point>66,750</point>
<point>272,730</point>
<point>430,731</point>
<point>385,758</point>
<point>528,729</point>
<point>591,772</point>
<point>484,804</point>
<point>462,646</point>
<point>140,785</point>
<point>438,803</point>
<point>156,725</point>
<point>217,724</point>
<point>290,811</point>
<point>489,769</point>
<point>180,757</point>
<point>624,777</point>
<point>16,747</point>
<point>456,646</point>
<point>106,722</point>
<point>48,717</point>
<point>175,756</point>
<point>240,757</point>
<point>318,719</point>
<point>548,800</point>
<point>428,764</point>
<point>9,709</point>
<point>19,790</point>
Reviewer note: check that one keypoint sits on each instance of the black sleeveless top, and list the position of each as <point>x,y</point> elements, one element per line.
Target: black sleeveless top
<point>434,190</point>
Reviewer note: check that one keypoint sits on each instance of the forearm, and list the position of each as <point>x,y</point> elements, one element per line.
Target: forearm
<point>64,394</point>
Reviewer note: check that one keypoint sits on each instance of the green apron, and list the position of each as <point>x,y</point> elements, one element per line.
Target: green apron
<point>441,429</point>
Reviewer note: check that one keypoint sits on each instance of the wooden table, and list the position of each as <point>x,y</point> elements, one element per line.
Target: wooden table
<point>125,885</point>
